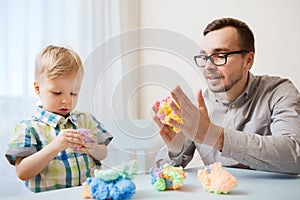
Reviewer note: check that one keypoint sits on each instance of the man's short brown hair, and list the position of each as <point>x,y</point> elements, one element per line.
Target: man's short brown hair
<point>245,34</point>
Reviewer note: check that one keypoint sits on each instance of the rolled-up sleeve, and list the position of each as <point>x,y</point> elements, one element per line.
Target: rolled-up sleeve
<point>278,149</point>
<point>181,159</point>
<point>280,153</point>
<point>22,144</point>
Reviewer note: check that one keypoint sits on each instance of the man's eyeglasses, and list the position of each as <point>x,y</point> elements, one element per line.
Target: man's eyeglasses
<point>218,59</point>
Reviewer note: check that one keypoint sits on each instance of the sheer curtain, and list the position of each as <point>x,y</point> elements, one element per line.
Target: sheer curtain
<point>28,26</point>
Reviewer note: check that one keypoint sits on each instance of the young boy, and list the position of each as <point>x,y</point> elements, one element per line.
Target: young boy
<point>47,149</point>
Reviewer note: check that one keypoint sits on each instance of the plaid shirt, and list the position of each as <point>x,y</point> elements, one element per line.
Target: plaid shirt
<point>68,168</point>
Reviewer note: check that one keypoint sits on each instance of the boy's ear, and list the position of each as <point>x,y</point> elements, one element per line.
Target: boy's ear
<point>36,87</point>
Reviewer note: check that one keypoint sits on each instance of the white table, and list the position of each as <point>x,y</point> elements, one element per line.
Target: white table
<point>252,184</point>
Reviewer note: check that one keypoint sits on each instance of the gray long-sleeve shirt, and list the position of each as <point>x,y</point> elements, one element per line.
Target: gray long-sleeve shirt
<point>261,128</point>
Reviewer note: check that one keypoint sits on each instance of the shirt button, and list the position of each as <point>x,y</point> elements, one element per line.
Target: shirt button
<point>232,106</point>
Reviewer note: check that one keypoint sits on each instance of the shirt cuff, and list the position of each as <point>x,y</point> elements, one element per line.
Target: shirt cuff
<point>164,156</point>
<point>14,152</point>
<point>234,144</point>
<point>104,138</point>
<point>175,159</point>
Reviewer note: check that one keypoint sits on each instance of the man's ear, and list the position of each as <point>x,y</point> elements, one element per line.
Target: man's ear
<point>36,87</point>
<point>250,60</point>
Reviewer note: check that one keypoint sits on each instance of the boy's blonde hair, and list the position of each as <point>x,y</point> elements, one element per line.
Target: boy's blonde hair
<point>57,61</point>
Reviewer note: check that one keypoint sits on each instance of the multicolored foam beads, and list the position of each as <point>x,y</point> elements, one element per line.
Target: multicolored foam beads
<point>167,177</point>
<point>165,112</point>
<point>218,180</point>
<point>85,133</point>
<point>112,184</point>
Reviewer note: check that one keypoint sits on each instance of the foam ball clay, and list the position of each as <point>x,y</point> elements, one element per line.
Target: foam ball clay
<point>85,133</point>
<point>165,112</point>
<point>218,181</point>
<point>113,183</point>
<point>167,177</point>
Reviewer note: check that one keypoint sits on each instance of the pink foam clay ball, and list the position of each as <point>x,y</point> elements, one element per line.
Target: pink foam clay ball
<point>85,133</point>
<point>165,112</point>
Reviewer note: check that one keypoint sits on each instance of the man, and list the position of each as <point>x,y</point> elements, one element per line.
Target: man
<point>242,120</point>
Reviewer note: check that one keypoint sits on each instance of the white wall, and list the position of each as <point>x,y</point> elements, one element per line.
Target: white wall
<point>275,24</point>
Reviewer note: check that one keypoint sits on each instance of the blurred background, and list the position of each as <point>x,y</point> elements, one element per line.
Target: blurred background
<point>134,52</point>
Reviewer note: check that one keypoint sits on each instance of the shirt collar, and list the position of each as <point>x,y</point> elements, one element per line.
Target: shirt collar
<point>252,84</point>
<point>53,119</point>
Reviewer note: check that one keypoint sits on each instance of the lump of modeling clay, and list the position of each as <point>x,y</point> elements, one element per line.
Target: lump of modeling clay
<point>85,133</point>
<point>165,112</point>
<point>113,183</point>
<point>218,180</point>
<point>167,177</point>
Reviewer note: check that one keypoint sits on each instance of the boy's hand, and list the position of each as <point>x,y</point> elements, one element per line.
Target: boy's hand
<point>68,138</point>
<point>97,151</point>
<point>88,147</point>
<point>196,122</point>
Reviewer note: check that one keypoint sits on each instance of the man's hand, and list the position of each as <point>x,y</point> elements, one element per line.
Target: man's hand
<point>196,122</point>
<point>173,140</point>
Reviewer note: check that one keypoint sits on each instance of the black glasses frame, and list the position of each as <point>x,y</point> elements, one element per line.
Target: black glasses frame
<point>225,54</point>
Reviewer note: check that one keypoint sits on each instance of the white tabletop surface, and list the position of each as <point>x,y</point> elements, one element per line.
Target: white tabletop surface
<point>252,185</point>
